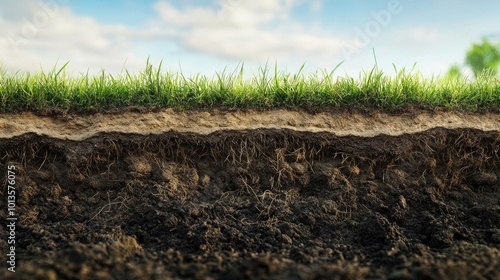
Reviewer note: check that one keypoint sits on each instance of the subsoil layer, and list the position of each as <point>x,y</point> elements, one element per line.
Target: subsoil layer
<point>260,202</point>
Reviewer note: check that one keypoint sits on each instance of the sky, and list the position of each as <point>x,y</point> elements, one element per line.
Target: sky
<point>208,36</point>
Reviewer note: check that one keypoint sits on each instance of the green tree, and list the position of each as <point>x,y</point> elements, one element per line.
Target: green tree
<point>483,58</point>
<point>454,72</point>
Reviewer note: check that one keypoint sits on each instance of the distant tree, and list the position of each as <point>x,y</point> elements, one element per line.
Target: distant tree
<point>454,72</point>
<point>483,58</point>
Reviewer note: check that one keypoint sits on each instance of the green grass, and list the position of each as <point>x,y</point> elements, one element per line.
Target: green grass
<point>269,88</point>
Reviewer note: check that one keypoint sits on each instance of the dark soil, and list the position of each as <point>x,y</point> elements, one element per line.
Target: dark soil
<point>264,204</point>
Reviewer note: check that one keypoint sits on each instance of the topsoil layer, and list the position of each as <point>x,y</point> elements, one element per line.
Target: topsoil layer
<point>253,195</point>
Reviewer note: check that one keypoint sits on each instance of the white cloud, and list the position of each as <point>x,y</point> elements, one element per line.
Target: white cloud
<point>247,29</point>
<point>39,33</point>
<point>16,10</point>
<point>421,34</point>
<point>254,44</point>
<point>240,13</point>
<point>316,5</point>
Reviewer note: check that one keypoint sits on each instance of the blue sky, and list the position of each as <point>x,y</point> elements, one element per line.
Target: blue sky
<point>206,36</point>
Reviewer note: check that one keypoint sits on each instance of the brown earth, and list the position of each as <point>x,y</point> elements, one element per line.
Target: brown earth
<point>253,195</point>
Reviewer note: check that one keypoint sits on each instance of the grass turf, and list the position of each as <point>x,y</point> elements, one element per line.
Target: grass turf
<point>269,88</point>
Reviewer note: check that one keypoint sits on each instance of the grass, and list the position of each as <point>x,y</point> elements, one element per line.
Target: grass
<point>269,88</point>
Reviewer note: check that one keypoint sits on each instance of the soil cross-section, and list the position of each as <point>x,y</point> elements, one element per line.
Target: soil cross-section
<point>254,195</point>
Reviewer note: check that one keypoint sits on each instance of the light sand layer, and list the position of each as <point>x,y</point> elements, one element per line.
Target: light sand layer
<point>340,124</point>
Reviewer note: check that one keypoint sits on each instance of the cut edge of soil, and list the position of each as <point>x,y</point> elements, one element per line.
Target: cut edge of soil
<point>78,127</point>
<point>258,204</point>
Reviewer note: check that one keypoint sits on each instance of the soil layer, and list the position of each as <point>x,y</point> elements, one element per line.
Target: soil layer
<point>255,203</point>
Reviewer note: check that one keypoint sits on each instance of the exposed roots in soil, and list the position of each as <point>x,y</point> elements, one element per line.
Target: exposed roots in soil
<point>257,204</point>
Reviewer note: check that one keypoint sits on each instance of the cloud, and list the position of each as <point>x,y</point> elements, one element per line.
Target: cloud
<point>316,5</point>
<point>43,32</point>
<point>16,10</point>
<point>39,33</point>
<point>255,44</point>
<point>422,34</point>
<point>417,36</point>
<point>238,13</point>
<point>246,29</point>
